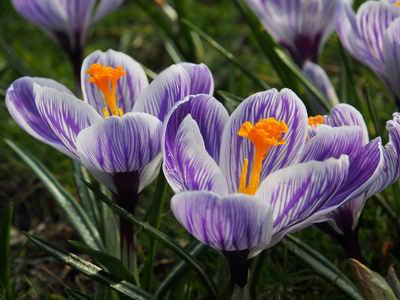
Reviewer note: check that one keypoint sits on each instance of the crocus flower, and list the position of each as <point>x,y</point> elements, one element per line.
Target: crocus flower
<point>300,26</point>
<point>116,131</point>
<point>66,21</point>
<point>343,223</point>
<point>372,37</point>
<point>239,185</point>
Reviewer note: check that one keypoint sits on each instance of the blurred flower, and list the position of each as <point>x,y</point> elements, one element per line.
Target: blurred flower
<point>300,26</point>
<point>239,187</point>
<point>372,37</point>
<point>345,122</point>
<point>66,21</point>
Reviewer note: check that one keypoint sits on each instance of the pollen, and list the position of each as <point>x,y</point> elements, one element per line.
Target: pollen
<point>398,3</point>
<point>106,78</point>
<point>263,135</point>
<point>315,120</point>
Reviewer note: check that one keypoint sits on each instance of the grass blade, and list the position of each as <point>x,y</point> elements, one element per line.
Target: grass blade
<point>163,239</point>
<point>321,266</point>
<point>227,54</point>
<point>5,228</point>
<point>121,286</point>
<point>74,213</point>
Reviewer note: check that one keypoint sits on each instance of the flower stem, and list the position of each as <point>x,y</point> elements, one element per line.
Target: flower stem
<point>238,266</point>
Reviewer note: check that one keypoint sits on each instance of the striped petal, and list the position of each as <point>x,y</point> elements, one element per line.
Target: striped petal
<point>347,115</point>
<point>129,87</point>
<point>104,8</point>
<point>194,168</point>
<point>201,78</point>
<point>20,102</point>
<point>170,86</point>
<point>120,145</point>
<point>65,115</point>
<point>391,58</point>
<point>284,105</point>
<point>232,223</point>
<point>299,194</point>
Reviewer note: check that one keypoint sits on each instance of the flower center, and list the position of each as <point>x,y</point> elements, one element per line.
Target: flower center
<point>101,77</point>
<point>315,120</point>
<point>263,135</point>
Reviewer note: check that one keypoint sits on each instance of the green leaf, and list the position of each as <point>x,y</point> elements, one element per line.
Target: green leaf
<point>163,239</point>
<point>5,229</point>
<point>321,266</point>
<point>74,213</point>
<point>180,268</point>
<point>372,111</point>
<point>121,286</point>
<point>373,285</point>
<point>113,264</point>
<point>76,295</point>
<point>227,54</point>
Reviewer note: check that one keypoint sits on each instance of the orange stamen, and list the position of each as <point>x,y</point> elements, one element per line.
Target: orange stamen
<point>398,3</point>
<point>101,77</point>
<point>315,120</point>
<point>265,134</point>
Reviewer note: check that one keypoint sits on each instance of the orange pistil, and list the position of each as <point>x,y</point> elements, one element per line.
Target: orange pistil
<point>315,120</point>
<point>398,3</point>
<point>265,134</point>
<point>101,77</point>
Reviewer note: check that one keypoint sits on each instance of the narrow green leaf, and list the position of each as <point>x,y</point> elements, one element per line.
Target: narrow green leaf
<point>15,62</point>
<point>182,11</point>
<point>74,213</point>
<point>372,111</point>
<point>179,270</point>
<point>113,264</point>
<point>163,239</point>
<point>2,93</point>
<point>155,221</point>
<point>227,54</point>
<point>321,266</point>
<point>121,286</point>
<point>5,229</point>
<point>255,270</point>
<point>76,295</point>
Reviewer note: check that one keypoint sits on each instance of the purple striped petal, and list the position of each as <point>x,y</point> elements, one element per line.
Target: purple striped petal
<point>284,105</point>
<point>129,87</point>
<point>194,167</point>
<point>301,26</point>
<point>170,86</point>
<point>299,194</point>
<point>65,115</point>
<point>120,145</point>
<point>20,102</point>
<point>347,115</point>
<point>321,80</point>
<point>104,8</point>
<point>391,157</point>
<point>231,223</point>
<point>66,21</point>
<point>391,58</point>
<point>201,78</point>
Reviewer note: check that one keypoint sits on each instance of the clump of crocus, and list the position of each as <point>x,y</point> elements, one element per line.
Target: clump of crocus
<point>116,131</point>
<point>239,182</point>
<point>372,37</point>
<point>67,22</point>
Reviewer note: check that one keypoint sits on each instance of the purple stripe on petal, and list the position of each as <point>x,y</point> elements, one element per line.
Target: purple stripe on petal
<point>298,193</point>
<point>129,87</point>
<point>104,8</point>
<point>391,58</point>
<point>20,102</point>
<point>170,86</point>
<point>201,78</point>
<point>231,223</point>
<point>284,105</point>
<point>65,115</point>
<point>195,168</point>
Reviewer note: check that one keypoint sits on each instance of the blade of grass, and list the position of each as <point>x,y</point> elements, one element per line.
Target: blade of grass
<point>321,266</point>
<point>227,54</point>
<point>5,228</point>
<point>162,238</point>
<point>76,295</point>
<point>121,286</point>
<point>182,11</point>
<point>155,221</point>
<point>74,213</point>
<point>372,111</point>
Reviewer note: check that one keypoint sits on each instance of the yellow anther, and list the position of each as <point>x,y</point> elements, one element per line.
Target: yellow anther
<point>315,120</point>
<point>101,77</point>
<point>263,135</point>
<point>398,3</point>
